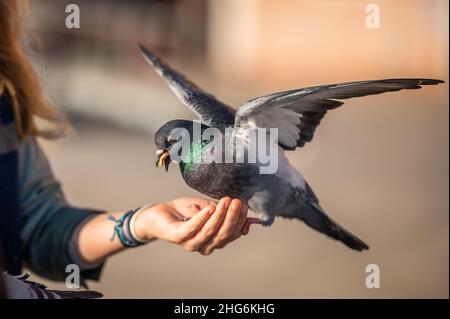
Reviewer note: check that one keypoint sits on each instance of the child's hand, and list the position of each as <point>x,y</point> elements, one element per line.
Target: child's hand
<point>196,224</point>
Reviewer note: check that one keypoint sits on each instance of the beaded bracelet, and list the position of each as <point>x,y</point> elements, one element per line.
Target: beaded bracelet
<point>123,231</point>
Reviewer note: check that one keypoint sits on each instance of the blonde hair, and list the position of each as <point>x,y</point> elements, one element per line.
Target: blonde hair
<point>19,77</point>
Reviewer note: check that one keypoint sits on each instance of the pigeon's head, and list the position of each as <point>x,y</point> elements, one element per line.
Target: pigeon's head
<point>166,137</point>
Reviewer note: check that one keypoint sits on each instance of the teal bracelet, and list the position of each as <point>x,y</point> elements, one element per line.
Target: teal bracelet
<point>122,229</point>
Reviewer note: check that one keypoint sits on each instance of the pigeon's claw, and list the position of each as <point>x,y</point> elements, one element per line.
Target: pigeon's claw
<point>248,223</point>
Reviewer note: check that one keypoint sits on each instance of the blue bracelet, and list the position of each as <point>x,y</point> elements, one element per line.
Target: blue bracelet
<point>122,229</point>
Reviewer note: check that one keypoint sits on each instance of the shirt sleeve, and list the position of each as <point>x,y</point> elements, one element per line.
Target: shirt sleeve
<point>48,222</point>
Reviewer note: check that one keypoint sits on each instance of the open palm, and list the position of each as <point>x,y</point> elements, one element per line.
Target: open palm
<point>196,224</point>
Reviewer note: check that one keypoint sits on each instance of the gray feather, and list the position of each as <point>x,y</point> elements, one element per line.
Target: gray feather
<point>209,109</point>
<point>314,102</point>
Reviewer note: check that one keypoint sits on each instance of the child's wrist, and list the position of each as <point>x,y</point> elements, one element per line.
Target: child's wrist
<point>141,224</point>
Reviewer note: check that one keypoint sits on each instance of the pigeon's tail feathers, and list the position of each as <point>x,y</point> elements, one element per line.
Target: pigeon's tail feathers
<point>318,220</point>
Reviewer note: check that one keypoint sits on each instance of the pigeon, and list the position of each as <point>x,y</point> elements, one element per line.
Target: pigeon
<point>295,113</point>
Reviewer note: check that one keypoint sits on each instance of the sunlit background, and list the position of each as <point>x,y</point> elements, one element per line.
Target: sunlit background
<point>379,164</point>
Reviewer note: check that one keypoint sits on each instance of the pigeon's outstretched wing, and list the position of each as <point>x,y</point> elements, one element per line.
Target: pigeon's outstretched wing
<point>210,110</point>
<point>297,113</point>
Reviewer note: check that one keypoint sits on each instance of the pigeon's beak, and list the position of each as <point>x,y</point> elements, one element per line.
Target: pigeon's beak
<point>163,158</point>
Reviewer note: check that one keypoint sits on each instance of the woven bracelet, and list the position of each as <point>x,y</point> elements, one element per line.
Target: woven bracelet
<point>122,229</point>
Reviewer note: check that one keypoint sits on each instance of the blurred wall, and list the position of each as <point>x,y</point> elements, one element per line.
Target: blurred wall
<point>307,42</point>
<point>224,44</point>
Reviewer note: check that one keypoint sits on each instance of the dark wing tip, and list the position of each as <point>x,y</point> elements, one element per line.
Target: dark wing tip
<point>149,55</point>
<point>409,83</point>
<point>422,81</point>
<point>430,81</point>
<point>144,50</point>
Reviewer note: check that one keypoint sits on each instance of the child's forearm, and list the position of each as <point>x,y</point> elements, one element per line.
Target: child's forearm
<point>94,239</point>
<point>193,223</point>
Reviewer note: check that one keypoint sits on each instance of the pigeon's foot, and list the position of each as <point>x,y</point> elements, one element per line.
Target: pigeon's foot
<point>248,223</point>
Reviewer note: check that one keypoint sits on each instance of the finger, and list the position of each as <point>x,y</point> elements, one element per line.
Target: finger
<point>225,233</point>
<point>187,229</point>
<point>210,228</point>
<point>232,219</point>
<point>241,222</point>
<point>196,204</point>
<point>201,202</point>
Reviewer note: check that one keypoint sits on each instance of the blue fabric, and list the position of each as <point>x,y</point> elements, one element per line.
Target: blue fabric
<point>9,194</point>
<point>48,221</point>
<point>36,222</point>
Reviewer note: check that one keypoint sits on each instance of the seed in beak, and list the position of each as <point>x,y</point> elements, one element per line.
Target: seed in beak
<point>163,159</point>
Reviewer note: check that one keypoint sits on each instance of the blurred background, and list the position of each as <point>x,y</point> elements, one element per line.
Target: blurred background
<point>379,164</point>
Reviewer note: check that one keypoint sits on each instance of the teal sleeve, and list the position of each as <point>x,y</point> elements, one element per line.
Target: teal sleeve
<point>47,220</point>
